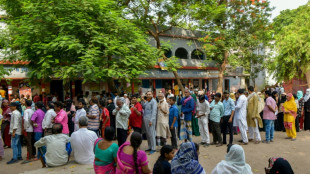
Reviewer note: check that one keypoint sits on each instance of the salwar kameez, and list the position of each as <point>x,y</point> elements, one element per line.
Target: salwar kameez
<point>290,113</point>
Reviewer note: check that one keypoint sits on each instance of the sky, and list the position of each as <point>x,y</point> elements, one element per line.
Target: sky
<point>285,4</point>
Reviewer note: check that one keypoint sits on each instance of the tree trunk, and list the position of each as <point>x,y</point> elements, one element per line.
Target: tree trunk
<point>308,78</point>
<point>221,73</point>
<point>178,81</point>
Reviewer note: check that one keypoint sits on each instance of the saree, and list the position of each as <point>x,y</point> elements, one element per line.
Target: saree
<point>107,169</point>
<point>289,118</point>
<point>195,126</point>
<point>127,168</point>
<point>186,160</point>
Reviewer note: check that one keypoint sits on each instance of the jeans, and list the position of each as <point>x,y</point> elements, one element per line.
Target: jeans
<point>269,126</point>
<point>37,137</point>
<point>17,147</point>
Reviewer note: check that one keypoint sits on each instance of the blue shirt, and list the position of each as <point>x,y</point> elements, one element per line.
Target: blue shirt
<point>173,112</point>
<point>229,106</point>
<point>217,112</point>
<point>187,109</point>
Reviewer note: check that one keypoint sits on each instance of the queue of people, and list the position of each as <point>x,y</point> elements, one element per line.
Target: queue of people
<point>78,127</point>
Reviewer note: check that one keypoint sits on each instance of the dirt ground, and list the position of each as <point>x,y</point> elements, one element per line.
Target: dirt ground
<point>297,153</point>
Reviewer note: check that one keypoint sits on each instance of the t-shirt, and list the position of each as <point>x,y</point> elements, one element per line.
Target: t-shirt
<point>106,156</point>
<point>37,117</point>
<point>93,123</point>
<point>268,114</point>
<point>173,112</point>
<point>135,120</point>
<point>165,168</point>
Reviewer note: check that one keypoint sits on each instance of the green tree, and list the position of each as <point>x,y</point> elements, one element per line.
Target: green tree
<point>292,44</point>
<point>156,18</point>
<point>71,39</point>
<point>234,29</point>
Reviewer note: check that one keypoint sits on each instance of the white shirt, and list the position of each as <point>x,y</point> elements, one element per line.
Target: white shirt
<point>203,108</point>
<point>54,99</point>
<point>56,154</point>
<point>47,121</point>
<point>79,113</point>
<point>122,117</point>
<point>241,111</point>
<point>82,143</point>
<point>16,122</point>
<point>27,118</point>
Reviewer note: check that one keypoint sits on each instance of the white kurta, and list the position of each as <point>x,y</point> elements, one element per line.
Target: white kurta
<point>162,127</point>
<point>82,143</point>
<point>79,113</point>
<point>204,108</point>
<point>241,111</point>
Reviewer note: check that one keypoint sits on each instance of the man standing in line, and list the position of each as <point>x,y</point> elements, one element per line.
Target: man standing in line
<point>135,118</point>
<point>93,116</point>
<point>47,121</point>
<point>162,126</point>
<point>173,121</point>
<point>253,118</point>
<point>240,116</point>
<point>169,94</point>
<point>80,112</point>
<point>149,119</point>
<point>37,120</point>
<point>217,112</point>
<point>229,111</point>
<point>203,110</point>
<point>188,105</point>
<point>269,116</point>
<point>122,113</point>
<point>16,132</point>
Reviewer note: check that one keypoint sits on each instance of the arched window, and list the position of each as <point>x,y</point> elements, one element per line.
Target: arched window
<point>168,53</point>
<point>197,54</point>
<point>181,53</point>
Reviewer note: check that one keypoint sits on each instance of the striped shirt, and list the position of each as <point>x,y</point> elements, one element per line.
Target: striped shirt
<point>93,123</point>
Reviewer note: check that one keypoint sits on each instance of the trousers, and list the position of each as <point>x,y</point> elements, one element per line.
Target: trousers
<point>204,129</point>
<point>243,132</point>
<point>150,134</point>
<point>228,125</point>
<point>254,132</point>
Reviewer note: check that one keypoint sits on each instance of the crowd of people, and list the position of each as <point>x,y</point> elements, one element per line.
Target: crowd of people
<point>52,129</point>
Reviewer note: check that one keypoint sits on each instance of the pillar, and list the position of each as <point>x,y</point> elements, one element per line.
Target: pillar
<point>154,87</point>
<point>73,89</point>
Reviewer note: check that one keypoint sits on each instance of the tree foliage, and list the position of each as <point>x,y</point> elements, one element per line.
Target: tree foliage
<point>292,43</point>
<point>72,39</point>
<point>235,30</point>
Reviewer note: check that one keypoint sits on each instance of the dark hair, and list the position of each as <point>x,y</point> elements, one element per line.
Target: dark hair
<point>202,97</point>
<point>268,93</point>
<point>82,101</point>
<point>39,104</point>
<point>228,147</point>
<point>135,142</point>
<point>251,88</point>
<point>219,95</point>
<point>158,167</point>
<point>135,95</point>
<point>173,99</point>
<point>94,100</point>
<point>28,103</point>
<point>109,133</point>
<point>196,146</point>
<point>295,96</point>
<point>240,91</point>
<point>59,104</point>
<point>50,105</point>
<point>102,103</point>
<point>57,128</point>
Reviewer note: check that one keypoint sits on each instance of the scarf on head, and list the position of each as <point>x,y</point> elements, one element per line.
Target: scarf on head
<point>280,165</point>
<point>290,105</point>
<point>307,96</point>
<point>186,100</point>
<point>186,160</point>
<point>234,162</point>
<point>299,95</point>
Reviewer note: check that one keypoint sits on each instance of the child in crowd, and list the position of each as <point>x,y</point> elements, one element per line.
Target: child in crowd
<point>162,165</point>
